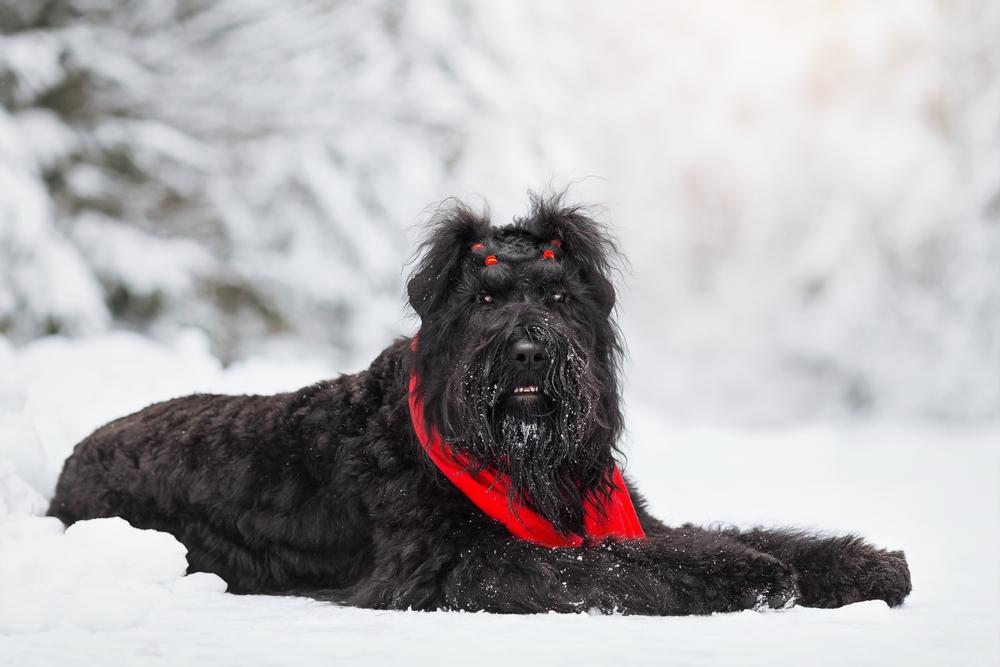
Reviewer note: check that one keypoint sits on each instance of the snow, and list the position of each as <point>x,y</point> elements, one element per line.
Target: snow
<point>98,575</point>
<point>103,592</point>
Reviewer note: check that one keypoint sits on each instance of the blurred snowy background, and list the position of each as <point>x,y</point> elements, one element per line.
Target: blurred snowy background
<point>808,192</point>
<point>221,195</point>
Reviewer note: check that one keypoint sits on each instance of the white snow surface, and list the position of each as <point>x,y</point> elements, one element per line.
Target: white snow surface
<point>105,593</point>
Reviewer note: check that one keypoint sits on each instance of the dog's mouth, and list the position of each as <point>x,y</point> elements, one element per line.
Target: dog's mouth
<point>526,396</point>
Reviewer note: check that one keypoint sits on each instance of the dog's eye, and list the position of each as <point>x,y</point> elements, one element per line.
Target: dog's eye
<point>484,298</point>
<point>559,297</point>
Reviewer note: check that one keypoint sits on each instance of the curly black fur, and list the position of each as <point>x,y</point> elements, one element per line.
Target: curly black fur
<point>326,492</point>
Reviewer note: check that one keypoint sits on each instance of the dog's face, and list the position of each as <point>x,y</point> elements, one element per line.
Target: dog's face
<point>518,352</point>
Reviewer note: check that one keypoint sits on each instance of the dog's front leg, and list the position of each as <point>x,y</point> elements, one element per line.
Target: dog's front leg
<point>511,576</point>
<point>683,572</point>
<point>708,571</point>
<point>673,573</point>
<point>834,571</point>
<point>500,574</point>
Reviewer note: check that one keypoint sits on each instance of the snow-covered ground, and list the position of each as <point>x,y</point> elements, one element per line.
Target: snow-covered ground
<point>105,593</point>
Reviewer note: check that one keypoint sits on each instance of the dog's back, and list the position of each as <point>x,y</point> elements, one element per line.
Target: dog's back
<point>154,461</point>
<point>246,483</point>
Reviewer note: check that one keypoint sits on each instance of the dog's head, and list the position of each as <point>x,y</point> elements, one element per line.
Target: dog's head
<point>518,351</point>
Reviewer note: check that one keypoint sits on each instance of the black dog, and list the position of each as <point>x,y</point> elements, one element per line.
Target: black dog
<point>472,467</point>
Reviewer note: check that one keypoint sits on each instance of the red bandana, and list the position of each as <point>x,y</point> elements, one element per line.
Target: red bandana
<point>488,490</point>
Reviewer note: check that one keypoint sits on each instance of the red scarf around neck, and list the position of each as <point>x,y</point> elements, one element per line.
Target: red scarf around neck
<point>488,489</point>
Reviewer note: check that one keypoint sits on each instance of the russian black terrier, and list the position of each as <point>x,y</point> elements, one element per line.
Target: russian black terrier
<point>470,467</point>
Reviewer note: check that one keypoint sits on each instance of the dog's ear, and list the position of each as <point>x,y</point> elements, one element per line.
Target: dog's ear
<point>582,238</point>
<point>450,235</point>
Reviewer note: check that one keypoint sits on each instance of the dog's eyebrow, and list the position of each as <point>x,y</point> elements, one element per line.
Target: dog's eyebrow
<point>506,275</point>
<point>496,277</point>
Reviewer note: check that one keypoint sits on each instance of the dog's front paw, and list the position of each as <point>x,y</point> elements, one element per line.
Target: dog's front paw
<point>889,578</point>
<point>847,570</point>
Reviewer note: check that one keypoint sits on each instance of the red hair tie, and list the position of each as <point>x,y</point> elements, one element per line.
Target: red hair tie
<point>548,254</point>
<point>490,260</point>
<point>478,246</point>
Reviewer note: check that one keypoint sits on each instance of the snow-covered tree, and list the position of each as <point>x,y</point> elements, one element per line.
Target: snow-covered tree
<point>246,167</point>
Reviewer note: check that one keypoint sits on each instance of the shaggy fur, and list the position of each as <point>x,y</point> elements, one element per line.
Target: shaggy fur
<point>326,492</point>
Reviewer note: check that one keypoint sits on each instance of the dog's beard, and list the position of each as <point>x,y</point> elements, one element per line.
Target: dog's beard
<point>555,448</point>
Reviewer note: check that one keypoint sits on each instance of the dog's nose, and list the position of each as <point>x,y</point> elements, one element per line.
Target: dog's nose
<point>527,354</point>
